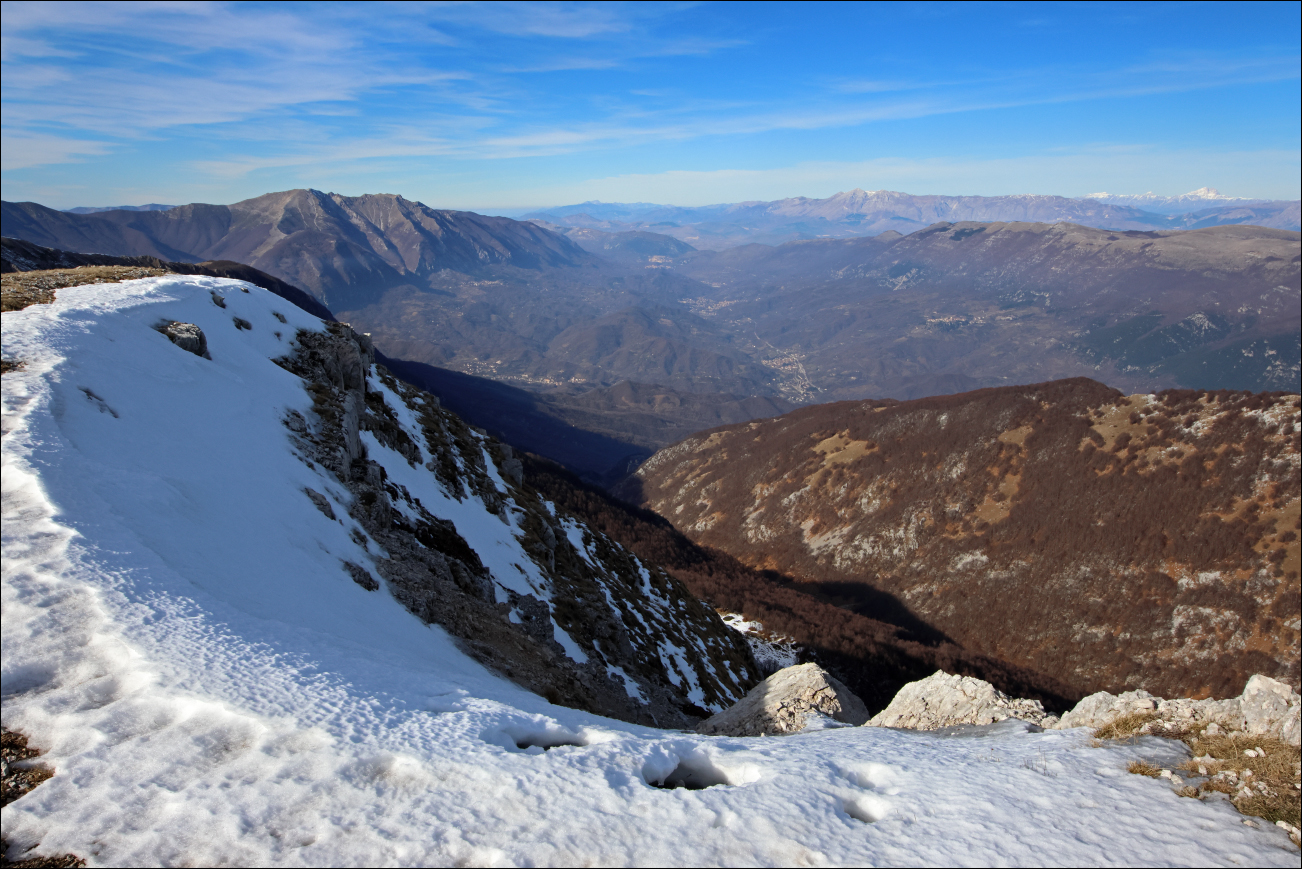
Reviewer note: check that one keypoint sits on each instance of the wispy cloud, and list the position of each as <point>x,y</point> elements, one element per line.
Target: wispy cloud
<point>221,92</point>
<point>24,150</point>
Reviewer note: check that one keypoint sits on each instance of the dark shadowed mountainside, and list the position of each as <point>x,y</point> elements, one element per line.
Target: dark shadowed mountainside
<point>875,652</point>
<point>1114,542</point>
<point>600,434</point>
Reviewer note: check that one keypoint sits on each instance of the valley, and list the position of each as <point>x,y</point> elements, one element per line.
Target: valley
<point>561,312</point>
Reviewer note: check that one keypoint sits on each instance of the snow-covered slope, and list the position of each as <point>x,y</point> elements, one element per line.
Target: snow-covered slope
<point>214,686</point>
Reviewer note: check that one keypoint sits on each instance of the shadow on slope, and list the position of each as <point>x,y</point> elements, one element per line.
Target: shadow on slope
<point>524,420</point>
<point>874,656</point>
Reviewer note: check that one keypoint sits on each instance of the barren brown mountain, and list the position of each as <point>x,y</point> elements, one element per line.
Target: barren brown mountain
<point>1116,542</point>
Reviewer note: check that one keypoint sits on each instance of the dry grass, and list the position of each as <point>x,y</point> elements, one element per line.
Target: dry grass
<point>1266,784</point>
<point>1126,726</point>
<point>1143,767</point>
<point>20,289</point>
<point>1271,792</point>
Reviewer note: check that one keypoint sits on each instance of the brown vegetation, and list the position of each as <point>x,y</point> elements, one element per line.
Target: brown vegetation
<point>20,289</point>
<point>874,658</point>
<point>1115,542</point>
<point>1261,776</point>
<point>1125,726</point>
<point>19,778</point>
<point>1143,767</point>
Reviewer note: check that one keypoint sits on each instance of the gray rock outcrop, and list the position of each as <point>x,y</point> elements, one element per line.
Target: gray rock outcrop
<point>1267,707</point>
<point>187,336</point>
<point>1271,708</point>
<point>785,702</point>
<point>591,633</point>
<point>944,700</point>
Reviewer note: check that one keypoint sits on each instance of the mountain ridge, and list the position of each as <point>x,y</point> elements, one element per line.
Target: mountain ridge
<point>857,212</point>
<point>341,249</point>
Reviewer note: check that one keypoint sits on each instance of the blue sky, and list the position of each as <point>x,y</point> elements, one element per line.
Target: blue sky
<point>510,106</point>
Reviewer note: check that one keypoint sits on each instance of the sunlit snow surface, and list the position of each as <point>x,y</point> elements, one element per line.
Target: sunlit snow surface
<point>213,688</point>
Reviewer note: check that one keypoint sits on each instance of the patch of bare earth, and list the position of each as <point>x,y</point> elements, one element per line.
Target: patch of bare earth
<point>20,775</point>
<point>20,289</point>
<point>1260,776</point>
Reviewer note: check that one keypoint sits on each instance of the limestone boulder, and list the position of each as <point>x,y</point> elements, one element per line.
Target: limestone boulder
<point>1267,707</point>
<point>1099,709</point>
<point>944,700</point>
<point>1270,708</point>
<point>787,702</point>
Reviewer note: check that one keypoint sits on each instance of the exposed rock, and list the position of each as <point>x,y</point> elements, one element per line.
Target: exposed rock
<point>1267,707</point>
<point>1100,708</point>
<point>187,336</point>
<point>943,700</point>
<point>785,702</point>
<point>590,636</point>
<point>361,576</point>
<point>1270,707</point>
<point>321,501</point>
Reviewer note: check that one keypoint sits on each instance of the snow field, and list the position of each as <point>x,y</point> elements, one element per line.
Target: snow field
<point>212,687</point>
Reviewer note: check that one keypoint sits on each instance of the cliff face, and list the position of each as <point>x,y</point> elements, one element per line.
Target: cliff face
<point>1112,541</point>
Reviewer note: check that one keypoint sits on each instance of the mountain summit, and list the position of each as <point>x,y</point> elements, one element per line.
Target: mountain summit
<point>343,249</point>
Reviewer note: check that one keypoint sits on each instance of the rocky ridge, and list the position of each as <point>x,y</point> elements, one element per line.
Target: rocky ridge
<point>586,623</point>
<point>1266,708</point>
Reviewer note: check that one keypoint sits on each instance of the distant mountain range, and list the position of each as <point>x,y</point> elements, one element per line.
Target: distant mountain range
<point>94,209</point>
<point>1193,201</point>
<point>640,339</point>
<point>859,213</point>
